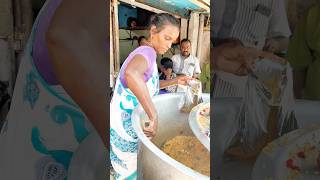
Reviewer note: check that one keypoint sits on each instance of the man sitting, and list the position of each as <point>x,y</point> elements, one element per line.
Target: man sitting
<point>186,63</point>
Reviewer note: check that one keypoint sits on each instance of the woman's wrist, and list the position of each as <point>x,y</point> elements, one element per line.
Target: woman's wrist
<point>176,80</point>
<point>153,117</point>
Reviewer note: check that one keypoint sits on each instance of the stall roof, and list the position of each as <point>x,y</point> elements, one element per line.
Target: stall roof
<point>179,7</point>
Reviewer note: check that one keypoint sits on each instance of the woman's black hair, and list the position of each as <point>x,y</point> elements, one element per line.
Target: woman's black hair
<point>166,63</point>
<point>140,39</point>
<point>161,19</point>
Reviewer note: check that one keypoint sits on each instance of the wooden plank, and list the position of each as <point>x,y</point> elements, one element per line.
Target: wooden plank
<point>17,15</point>
<point>193,31</point>
<point>5,60</point>
<point>23,20</point>
<point>7,54</point>
<point>205,52</point>
<point>7,64</point>
<point>200,37</point>
<point>183,28</point>
<point>27,21</point>
<point>115,30</point>
<point>6,19</point>
<point>207,2</point>
<point>111,50</point>
<point>204,4</point>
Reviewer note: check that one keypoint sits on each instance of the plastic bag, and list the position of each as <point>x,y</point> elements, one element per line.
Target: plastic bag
<point>266,111</point>
<point>192,96</point>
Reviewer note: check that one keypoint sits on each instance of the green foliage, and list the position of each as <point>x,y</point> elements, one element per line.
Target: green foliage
<point>205,78</point>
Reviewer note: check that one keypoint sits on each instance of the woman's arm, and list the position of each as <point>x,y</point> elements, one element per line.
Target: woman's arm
<point>134,73</point>
<point>76,42</point>
<point>177,80</point>
<point>168,82</point>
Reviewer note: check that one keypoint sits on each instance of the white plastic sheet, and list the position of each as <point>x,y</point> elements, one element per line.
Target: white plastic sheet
<point>269,88</point>
<point>192,96</point>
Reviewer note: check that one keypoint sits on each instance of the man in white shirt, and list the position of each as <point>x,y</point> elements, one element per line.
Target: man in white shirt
<point>259,24</point>
<point>186,63</point>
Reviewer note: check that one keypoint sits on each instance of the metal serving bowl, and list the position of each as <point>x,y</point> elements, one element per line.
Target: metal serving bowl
<point>152,162</point>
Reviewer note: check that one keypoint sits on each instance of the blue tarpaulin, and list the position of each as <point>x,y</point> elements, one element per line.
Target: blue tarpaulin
<point>180,7</point>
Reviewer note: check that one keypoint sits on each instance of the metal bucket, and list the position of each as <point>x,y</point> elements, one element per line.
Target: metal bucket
<point>152,162</point>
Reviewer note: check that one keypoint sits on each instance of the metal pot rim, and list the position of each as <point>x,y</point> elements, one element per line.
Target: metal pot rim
<point>154,148</point>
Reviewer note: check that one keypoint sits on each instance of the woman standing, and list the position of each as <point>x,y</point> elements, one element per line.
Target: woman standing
<point>138,81</point>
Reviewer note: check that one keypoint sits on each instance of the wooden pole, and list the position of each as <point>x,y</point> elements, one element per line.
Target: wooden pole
<point>183,28</point>
<point>115,30</point>
<point>27,21</point>
<point>200,37</point>
<point>111,50</point>
<point>6,19</point>
<point>17,15</point>
<point>6,52</point>
<point>204,4</point>
<point>7,58</point>
<point>193,31</point>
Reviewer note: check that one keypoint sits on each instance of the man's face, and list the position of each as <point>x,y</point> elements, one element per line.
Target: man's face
<point>185,49</point>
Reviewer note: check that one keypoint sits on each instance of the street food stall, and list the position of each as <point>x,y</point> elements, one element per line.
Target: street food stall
<point>194,18</point>
<point>160,158</point>
<point>288,152</point>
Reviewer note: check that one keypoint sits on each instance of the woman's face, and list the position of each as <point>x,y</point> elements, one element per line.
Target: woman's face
<point>163,40</point>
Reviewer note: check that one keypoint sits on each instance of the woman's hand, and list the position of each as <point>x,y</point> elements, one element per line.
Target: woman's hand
<point>272,57</point>
<point>150,128</point>
<point>183,80</point>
